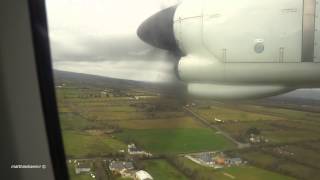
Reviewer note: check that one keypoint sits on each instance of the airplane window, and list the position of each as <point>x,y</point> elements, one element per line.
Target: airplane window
<point>186,89</point>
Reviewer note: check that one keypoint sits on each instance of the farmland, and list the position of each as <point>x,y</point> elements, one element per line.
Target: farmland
<point>80,145</point>
<point>101,120</point>
<point>131,121</point>
<point>293,136</point>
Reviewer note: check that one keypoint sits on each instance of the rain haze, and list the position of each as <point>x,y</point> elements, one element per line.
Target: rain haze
<point>99,37</point>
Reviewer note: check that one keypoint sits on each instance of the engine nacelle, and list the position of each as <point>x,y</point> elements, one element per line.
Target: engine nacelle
<point>234,92</point>
<point>273,31</point>
<point>240,49</point>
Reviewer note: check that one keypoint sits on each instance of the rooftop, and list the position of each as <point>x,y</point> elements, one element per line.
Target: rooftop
<point>206,157</point>
<point>83,165</point>
<point>120,165</point>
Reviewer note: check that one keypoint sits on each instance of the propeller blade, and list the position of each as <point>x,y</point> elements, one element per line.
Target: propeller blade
<point>158,31</point>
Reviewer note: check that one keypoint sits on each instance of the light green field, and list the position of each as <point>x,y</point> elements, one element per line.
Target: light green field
<point>162,170</point>
<point>179,122</point>
<point>280,131</point>
<point>78,145</point>
<point>244,172</point>
<point>291,136</point>
<point>228,114</point>
<point>172,141</point>
<point>249,173</point>
<point>290,114</point>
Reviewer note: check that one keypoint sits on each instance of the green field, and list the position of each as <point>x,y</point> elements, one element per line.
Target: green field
<point>173,141</point>
<point>162,170</point>
<point>169,123</point>
<point>72,121</point>
<point>300,164</point>
<point>244,172</point>
<point>79,145</point>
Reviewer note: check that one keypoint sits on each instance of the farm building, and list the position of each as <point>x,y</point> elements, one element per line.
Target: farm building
<point>118,166</point>
<point>103,94</point>
<point>219,160</point>
<point>82,167</point>
<point>206,158</point>
<point>133,150</point>
<point>233,161</point>
<point>218,120</point>
<point>254,139</point>
<point>125,169</point>
<point>143,175</point>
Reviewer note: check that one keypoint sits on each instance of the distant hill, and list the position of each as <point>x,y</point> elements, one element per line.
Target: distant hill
<point>312,94</point>
<point>177,89</point>
<point>302,99</point>
<point>87,80</point>
<point>96,81</point>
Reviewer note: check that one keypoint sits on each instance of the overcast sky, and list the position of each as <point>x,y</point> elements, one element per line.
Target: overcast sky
<point>99,37</point>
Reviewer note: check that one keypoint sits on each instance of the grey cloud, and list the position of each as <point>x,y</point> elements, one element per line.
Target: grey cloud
<point>77,47</point>
<point>109,49</point>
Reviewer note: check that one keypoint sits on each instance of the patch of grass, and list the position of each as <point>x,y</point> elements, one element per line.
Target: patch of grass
<point>300,171</point>
<point>80,145</point>
<point>257,157</point>
<point>162,170</point>
<point>71,121</point>
<point>172,141</point>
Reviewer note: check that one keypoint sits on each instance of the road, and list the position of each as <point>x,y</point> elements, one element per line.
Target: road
<point>100,170</point>
<point>220,131</point>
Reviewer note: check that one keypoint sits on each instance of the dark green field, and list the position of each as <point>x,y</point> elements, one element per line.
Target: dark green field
<point>174,141</point>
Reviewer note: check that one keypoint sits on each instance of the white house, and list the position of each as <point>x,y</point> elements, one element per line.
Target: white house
<point>143,175</point>
<point>82,167</point>
<point>133,150</point>
<point>218,120</point>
